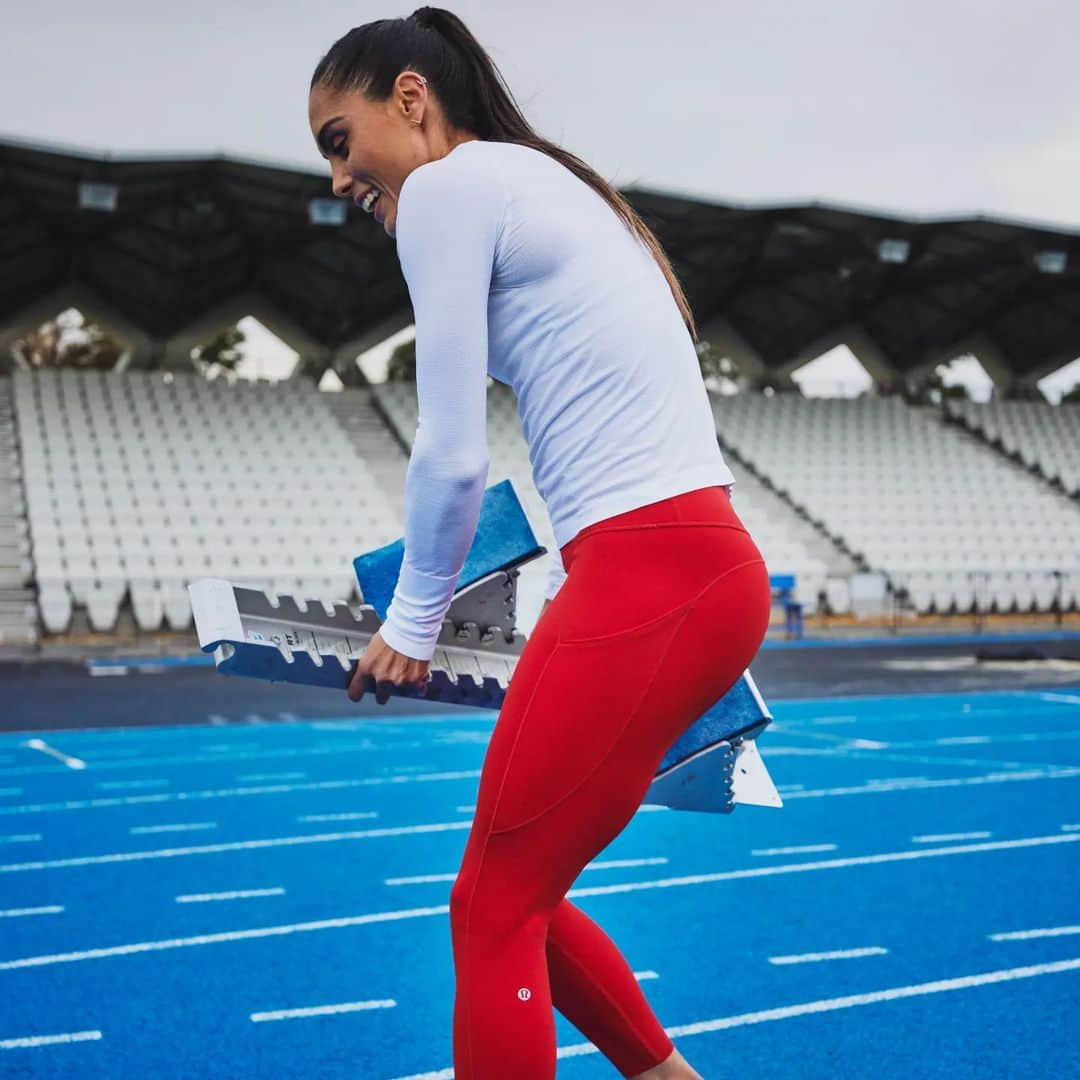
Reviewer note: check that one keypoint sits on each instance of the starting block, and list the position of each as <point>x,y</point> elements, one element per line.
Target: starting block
<point>713,767</point>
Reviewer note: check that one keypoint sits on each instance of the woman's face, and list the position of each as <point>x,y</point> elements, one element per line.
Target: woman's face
<point>373,145</point>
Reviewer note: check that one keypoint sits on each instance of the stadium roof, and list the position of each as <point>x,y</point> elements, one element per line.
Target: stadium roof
<point>167,250</point>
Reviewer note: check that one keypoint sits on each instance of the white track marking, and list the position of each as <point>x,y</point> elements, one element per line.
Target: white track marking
<point>444,909</point>
<point>20,838</point>
<point>129,785</point>
<point>837,954</point>
<point>45,748</point>
<point>49,1040</point>
<point>194,826</point>
<point>880,788</point>
<point>321,1010</point>
<point>466,809</point>
<point>269,777</point>
<point>641,976</point>
<point>1070,828</point>
<point>428,879</point>
<point>793,850</point>
<point>982,740</point>
<point>1026,935</point>
<point>822,1005</point>
<point>876,788</point>
<point>222,754</point>
<point>251,845</point>
<point>942,838</point>
<point>357,815</point>
<point>825,864</point>
<point>14,913</point>
<point>618,864</point>
<point>1068,699</point>
<point>239,894</point>
<point>224,793</point>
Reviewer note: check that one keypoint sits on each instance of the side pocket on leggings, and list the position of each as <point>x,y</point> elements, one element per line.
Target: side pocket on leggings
<point>585,699</point>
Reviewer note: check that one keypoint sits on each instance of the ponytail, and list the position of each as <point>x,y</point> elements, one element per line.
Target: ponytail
<point>474,97</point>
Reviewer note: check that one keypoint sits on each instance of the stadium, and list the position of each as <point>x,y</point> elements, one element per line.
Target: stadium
<point>212,876</point>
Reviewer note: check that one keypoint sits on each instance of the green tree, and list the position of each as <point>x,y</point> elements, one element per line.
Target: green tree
<point>221,353</point>
<point>402,363</point>
<point>69,341</point>
<point>716,369</point>
<point>935,389</point>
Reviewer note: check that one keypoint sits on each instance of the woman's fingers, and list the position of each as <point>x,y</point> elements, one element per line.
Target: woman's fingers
<point>382,668</point>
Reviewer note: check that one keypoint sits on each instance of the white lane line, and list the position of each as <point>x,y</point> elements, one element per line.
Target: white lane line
<point>609,864</point>
<point>466,809</point>
<point>129,785</point>
<point>837,954</point>
<point>49,1040</point>
<point>20,838</point>
<point>1026,935</point>
<point>201,757</point>
<point>45,748</point>
<point>805,1008</point>
<point>615,864</point>
<point>982,740</point>
<point>877,788</point>
<point>270,777</point>
<point>193,826</point>
<point>357,815</point>
<point>825,864</point>
<point>248,845</point>
<point>942,838</point>
<point>790,787</point>
<point>1070,828</point>
<point>793,850</point>
<point>891,780</point>
<point>321,1010</point>
<point>882,788</point>
<point>238,894</point>
<point>641,976</point>
<point>1068,699</point>
<point>444,909</point>
<point>13,913</point>
<point>225,793</point>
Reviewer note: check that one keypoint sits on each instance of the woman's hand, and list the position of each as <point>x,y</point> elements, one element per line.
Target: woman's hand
<point>386,665</point>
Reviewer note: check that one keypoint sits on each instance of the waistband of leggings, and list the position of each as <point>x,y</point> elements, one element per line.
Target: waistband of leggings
<point>708,506</point>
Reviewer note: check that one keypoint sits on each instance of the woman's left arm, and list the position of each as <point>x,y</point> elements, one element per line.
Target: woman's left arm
<point>447,229</point>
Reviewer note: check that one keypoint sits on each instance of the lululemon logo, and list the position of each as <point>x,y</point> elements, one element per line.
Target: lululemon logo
<point>524,993</point>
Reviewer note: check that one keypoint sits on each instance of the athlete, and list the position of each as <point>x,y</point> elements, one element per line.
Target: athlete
<point>522,263</point>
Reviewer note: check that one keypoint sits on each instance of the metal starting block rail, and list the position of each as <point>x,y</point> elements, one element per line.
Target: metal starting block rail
<point>713,767</point>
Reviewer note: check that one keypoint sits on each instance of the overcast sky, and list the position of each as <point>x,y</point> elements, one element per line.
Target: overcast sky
<point>929,107</point>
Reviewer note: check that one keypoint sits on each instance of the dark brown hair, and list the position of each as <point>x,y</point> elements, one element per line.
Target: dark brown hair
<point>436,43</point>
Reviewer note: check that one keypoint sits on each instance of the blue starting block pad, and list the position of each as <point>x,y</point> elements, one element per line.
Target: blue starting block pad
<point>714,766</point>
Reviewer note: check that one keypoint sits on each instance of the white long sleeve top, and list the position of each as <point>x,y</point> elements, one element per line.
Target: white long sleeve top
<point>518,269</point>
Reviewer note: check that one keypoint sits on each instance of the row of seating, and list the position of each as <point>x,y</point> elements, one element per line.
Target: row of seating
<point>1044,436</point>
<point>905,491</point>
<point>127,503</point>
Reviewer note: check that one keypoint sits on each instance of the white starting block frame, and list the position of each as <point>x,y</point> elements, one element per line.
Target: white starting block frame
<point>256,633</point>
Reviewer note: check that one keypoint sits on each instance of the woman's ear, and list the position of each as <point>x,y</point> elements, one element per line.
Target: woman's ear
<point>410,93</point>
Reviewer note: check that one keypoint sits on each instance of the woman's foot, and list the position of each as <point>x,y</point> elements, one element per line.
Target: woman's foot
<point>675,1067</point>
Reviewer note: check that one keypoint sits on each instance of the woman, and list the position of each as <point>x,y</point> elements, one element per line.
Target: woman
<point>521,262</point>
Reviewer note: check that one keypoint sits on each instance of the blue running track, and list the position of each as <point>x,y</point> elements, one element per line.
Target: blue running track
<point>271,900</point>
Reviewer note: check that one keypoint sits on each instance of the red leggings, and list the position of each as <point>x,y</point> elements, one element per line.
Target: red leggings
<point>662,610</point>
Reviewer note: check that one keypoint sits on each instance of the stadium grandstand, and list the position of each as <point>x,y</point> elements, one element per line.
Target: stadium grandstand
<point>119,487</point>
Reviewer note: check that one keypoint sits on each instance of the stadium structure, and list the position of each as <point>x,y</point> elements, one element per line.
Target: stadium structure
<point>119,488</point>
